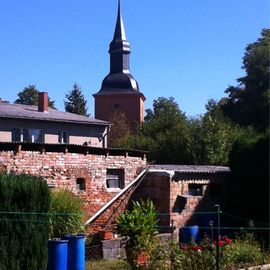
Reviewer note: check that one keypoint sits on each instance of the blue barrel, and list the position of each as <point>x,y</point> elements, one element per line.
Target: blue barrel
<point>189,233</point>
<point>76,251</point>
<point>58,253</point>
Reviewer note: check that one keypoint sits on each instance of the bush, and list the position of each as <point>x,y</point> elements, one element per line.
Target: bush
<point>243,251</point>
<point>139,227</point>
<point>66,214</point>
<point>24,227</point>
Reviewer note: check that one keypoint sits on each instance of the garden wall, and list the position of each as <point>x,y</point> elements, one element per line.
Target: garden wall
<point>180,193</point>
<point>63,169</point>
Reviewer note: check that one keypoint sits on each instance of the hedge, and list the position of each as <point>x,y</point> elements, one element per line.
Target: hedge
<point>24,226</point>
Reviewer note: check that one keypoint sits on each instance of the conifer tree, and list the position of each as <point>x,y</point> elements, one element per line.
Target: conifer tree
<point>75,101</point>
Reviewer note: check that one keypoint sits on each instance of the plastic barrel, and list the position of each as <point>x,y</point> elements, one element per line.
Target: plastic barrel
<point>187,234</point>
<point>58,252</point>
<point>76,251</point>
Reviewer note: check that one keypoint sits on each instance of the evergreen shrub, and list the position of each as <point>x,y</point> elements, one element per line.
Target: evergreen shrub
<point>24,226</point>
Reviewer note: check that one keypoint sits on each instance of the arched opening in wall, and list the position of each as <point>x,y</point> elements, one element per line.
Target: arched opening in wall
<point>80,184</point>
<point>115,178</point>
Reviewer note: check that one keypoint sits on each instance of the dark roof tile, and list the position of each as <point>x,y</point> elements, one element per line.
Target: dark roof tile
<point>19,111</point>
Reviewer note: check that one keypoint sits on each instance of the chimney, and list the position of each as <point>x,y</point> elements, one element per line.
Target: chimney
<point>42,101</point>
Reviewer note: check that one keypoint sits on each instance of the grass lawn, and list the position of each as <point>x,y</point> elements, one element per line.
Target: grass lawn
<point>107,265</point>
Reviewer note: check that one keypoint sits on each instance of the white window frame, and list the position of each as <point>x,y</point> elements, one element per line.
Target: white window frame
<point>117,175</point>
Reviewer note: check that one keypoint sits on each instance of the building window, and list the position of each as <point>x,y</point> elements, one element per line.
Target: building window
<point>32,135</point>
<point>195,190</point>
<point>115,178</point>
<point>80,184</point>
<point>27,135</point>
<point>16,135</point>
<point>63,137</point>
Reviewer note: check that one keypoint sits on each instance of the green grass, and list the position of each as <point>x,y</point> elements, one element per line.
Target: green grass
<point>107,265</point>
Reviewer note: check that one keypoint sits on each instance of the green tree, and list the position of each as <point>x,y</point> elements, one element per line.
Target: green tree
<point>217,135</point>
<point>248,188</point>
<point>119,129</point>
<point>75,101</point>
<point>29,96</point>
<point>165,133</point>
<point>248,103</point>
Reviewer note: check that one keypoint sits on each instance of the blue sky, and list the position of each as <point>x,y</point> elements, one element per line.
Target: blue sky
<point>189,49</point>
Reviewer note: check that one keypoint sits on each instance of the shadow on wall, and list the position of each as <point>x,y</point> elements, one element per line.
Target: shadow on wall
<point>185,199</point>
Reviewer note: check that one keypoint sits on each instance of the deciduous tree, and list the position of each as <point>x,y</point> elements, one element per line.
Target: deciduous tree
<point>165,133</point>
<point>29,96</point>
<point>119,129</point>
<point>217,135</point>
<point>248,103</point>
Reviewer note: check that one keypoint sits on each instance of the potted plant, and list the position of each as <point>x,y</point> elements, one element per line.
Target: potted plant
<point>139,226</point>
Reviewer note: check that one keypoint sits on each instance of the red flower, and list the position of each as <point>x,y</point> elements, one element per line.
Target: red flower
<point>196,248</point>
<point>220,243</point>
<point>227,240</point>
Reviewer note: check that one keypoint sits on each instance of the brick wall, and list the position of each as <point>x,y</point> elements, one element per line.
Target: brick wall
<point>62,169</point>
<point>172,200</point>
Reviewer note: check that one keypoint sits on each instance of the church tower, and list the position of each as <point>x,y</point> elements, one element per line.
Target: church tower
<point>119,89</point>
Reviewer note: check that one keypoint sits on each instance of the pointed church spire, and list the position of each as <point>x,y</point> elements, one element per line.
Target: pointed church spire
<point>119,77</point>
<point>119,89</point>
<point>119,32</point>
<point>119,42</point>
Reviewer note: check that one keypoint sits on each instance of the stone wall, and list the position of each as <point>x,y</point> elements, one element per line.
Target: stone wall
<point>61,170</point>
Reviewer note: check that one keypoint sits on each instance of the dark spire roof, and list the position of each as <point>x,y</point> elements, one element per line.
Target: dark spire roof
<point>119,42</point>
<point>119,80</point>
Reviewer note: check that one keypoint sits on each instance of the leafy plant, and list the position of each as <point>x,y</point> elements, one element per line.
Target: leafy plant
<point>139,226</point>
<point>243,251</point>
<point>66,214</point>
